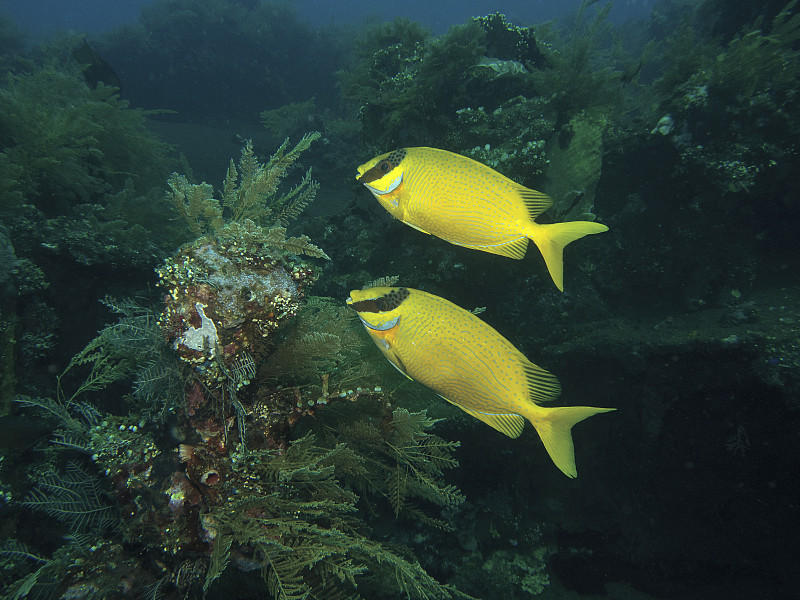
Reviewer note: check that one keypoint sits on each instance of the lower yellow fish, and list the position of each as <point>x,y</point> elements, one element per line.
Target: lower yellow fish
<point>469,364</point>
<point>469,204</point>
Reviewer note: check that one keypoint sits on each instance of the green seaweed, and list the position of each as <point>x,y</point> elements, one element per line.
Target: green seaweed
<point>577,74</point>
<point>296,516</point>
<point>289,120</point>
<point>74,143</point>
<point>406,76</point>
<point>249,193</point>
<point>405,463</point>
<point>74,497</point>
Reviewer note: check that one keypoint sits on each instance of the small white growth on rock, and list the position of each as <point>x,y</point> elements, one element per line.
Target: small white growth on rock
<point>203,337</point>
<point>664,125</point>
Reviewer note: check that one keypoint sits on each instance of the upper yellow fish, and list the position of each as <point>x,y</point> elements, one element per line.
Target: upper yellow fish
<point>469,364</point>
<point>469,204</point>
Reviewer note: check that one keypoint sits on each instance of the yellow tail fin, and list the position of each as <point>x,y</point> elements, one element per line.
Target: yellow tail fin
<point>554,427</point>
<point>551,239</point>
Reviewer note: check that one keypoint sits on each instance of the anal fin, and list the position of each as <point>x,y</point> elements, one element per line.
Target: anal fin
<point>514,249</point>
<point>509,423</point>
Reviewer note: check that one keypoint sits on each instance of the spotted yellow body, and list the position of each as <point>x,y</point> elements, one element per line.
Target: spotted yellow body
<point>469,204</point>
<point>469,364</point>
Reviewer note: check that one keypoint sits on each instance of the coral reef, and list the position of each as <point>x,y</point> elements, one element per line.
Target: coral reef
<point>229,368</point>
<point>224,296</point>
<point>227,292</point>
<point>215,505</point>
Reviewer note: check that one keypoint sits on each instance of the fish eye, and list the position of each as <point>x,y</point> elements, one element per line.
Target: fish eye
<point>385,166</point>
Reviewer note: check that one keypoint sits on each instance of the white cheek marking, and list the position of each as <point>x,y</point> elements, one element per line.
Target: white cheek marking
<point>392,186</point>
<point>384,327</point>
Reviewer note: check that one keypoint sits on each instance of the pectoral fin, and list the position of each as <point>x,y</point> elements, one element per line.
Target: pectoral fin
<point>398,364</point>
<point>392,357</point>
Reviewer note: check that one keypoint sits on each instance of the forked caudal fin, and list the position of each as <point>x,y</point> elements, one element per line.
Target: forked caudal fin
<point>554,427</point>
<point>551,239</point>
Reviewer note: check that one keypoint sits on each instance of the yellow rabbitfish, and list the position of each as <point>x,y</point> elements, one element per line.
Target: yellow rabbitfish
<point>469,204</point>
<point>469,364</point>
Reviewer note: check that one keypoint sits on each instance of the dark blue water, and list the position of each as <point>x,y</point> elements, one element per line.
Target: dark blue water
<point>42,16</point>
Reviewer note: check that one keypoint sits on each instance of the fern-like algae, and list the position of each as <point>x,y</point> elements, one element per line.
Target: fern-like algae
<point>293,512</point>
<point>289,119</point>
<point>405,463</point>
<point>326,340</point>
<point>253,239</point>
<point>249,193</point>
<point>255,197</point>
<point>296,518</point>
<point>131,347</point>
<point>74,497</point>
<point>195,203</point>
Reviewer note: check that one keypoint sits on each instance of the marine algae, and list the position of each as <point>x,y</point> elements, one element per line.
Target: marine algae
<point>576,159</point>
<point>249,193</point>
<point>293,511</point>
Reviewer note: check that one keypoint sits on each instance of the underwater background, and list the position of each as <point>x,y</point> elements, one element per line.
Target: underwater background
<point>188,408</point>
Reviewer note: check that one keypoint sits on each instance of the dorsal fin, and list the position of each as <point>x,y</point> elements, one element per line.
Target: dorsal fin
<point>535,202</point>
<point>543,386</point>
